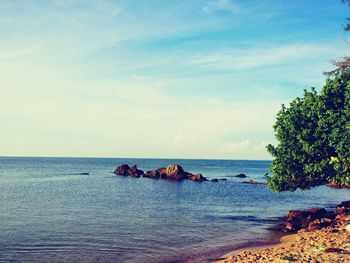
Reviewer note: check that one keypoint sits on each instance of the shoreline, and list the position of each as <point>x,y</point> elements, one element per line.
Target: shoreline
<point>285,238</point>
<point>315,235</point>
<point>331,244</point>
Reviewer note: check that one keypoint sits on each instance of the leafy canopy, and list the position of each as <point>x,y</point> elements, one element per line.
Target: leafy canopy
<point>313,135</point>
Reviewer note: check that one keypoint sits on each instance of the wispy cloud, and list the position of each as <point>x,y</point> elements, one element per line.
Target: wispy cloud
<point>248,58</point>
<point>9,54</point>
<point>220,5</point>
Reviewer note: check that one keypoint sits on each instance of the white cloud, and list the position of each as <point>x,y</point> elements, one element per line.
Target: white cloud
<point>248,58</point>
<point>179,139</point>
<point>220,5</point>
<point>20,52</point>
<point>236,147</point>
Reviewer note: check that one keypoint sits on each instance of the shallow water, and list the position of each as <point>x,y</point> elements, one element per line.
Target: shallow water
<point>51,213</point>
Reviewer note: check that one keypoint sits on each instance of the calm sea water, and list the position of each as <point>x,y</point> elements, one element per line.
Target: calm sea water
<point>51,213</point>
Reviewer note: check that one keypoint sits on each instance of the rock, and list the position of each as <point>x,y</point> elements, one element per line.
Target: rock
<point>337,186</point>
<point>316,213</point>
<point>311,219</point>
<point>162,172</point>
<point>214,180</point>
<point>222,179</point>
<point>197,177</point>
<point>133,171</point>
<point>288,227</point>
<point>125,170</point>
<point>252,182</point>
<point>152,174</point>
<point>343,207</point>
<point>333,185</point>
<point>342,217</point>
<point>122,170</point>
<point>240,176</point>
<point>84,173</point>
<point>174,171</point>
<point>319,224</point>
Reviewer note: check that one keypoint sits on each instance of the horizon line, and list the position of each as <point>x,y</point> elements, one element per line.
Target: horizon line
<point>150,158</point>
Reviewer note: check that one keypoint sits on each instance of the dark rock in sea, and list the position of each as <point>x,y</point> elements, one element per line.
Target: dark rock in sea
<point>162,172</point>
<point>175,172</point>
<point>84,173</point>
<point>241,176</point>
<point>152,174</point>
<point>126,170</point>
<point>133,171</point>
<point>214,180</point>
<point>172,172</point>
<point>122,170</point>
<point>253,182</point>
<point>197,177</point>
<point>222,179</point>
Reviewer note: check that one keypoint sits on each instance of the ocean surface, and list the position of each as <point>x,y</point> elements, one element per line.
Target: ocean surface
<point>50,212</point>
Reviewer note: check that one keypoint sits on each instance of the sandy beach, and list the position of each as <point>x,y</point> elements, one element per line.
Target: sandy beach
<point>330,244</point>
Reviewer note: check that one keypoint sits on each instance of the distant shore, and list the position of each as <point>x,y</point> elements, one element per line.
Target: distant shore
<point>330,244</point>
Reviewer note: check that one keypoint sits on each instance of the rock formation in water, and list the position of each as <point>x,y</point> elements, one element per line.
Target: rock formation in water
<point>126,170</point>
<point>172,172</point>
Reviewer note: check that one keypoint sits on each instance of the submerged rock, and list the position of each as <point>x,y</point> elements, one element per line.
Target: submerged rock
<point>197,177</point>
<point>240,175</point>
<point>214,180</point>
<point>252,182</point>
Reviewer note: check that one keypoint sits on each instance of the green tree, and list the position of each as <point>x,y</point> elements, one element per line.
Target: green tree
<point>313,135</point>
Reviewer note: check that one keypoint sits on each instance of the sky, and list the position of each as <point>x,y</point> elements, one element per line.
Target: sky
<point>158,79</point>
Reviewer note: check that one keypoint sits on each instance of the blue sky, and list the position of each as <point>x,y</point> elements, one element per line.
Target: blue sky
<point>184,79</point>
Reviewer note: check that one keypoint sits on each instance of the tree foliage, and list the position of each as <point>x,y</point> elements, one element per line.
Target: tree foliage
<point>313,135</point>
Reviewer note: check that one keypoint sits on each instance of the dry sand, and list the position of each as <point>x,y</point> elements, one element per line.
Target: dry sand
<point>329,245</point>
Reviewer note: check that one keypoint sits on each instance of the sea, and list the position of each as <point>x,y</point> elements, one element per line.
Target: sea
<point>77,210</point>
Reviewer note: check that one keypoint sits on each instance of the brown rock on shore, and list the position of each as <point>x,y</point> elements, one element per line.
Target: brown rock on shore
<point>324,237</point>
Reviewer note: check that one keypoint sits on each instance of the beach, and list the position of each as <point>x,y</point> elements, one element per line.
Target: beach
<point>325,245</point>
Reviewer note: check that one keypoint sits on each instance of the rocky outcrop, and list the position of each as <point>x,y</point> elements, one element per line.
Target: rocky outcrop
<point>171,172</point>
<point>316,218</point>
<point>126,170</point>
<point>197,177</point>
<point>152,174</point>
